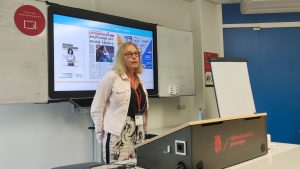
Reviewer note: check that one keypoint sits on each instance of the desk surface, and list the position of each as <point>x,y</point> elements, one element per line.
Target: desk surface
<point>280,156</point>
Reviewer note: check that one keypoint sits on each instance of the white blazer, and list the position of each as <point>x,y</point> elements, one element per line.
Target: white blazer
<point>111,102</point>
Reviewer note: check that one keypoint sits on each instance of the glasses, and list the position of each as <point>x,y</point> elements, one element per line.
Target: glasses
<point>130,54</point>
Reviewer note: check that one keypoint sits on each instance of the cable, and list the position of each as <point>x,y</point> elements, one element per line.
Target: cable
<point>180,165</point>
<point>121,167</point>
<point>130,165</point>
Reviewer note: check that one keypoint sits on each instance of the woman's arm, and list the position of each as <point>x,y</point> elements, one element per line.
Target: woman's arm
<point>100,102</point>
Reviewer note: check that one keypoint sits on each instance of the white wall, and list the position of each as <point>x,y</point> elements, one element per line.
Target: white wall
<point>196,23</point>
<point>171,13</point>
<point>86,4</point>
<point>38,136</point>
<point>49,135</point>
<point>207,23</point>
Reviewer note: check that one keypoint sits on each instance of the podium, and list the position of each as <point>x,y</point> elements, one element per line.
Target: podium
<point>206,144</point>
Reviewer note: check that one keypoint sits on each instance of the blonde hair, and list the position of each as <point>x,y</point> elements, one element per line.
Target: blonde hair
<point>119,66</point>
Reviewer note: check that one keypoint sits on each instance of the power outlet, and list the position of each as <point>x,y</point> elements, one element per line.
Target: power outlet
<point>180,147</point>
<point>174,90</point>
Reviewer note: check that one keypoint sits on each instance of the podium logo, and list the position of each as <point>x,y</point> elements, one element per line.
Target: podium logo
<point>218,144</point>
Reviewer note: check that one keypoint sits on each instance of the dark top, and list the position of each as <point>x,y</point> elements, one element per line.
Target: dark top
<point>134,109</point>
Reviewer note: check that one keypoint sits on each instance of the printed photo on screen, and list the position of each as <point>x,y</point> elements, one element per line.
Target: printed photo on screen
<point>104,53</point>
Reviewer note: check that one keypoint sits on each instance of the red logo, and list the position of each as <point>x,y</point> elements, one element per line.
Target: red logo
<point>29,20</point>
<point>218,144</point>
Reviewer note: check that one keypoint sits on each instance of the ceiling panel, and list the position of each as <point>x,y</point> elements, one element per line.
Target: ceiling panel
<point>269,6</point>
<point>224,1</point>
<point>263,6</point>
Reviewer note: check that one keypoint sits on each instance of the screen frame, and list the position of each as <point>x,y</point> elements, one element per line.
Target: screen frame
<point>94,16</point>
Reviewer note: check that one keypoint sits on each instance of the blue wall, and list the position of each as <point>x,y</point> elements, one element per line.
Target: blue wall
<point>274,68</point>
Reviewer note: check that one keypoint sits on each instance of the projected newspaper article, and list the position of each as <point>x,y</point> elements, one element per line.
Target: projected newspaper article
<point>85,50</point>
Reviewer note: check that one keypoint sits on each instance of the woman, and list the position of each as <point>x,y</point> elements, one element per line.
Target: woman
<point>119,108</point>
<point>70,57</point>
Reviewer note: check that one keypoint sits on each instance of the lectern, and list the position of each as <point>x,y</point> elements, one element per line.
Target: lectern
<point>206,144</point>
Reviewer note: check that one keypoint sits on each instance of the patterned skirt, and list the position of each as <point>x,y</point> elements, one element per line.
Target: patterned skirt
<point>119,148</point>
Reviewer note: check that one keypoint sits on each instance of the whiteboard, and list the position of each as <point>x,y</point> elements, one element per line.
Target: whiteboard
<point>232,87</point>
<point>23,70</point>
<point>175,62</point>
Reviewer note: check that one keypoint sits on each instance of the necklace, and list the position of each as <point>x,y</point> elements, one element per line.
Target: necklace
<point>137,93</point>
<point>135,82</point>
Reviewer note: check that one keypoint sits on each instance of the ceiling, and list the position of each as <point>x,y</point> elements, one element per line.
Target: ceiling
<point>225,1</point>
<point>264,6</point>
